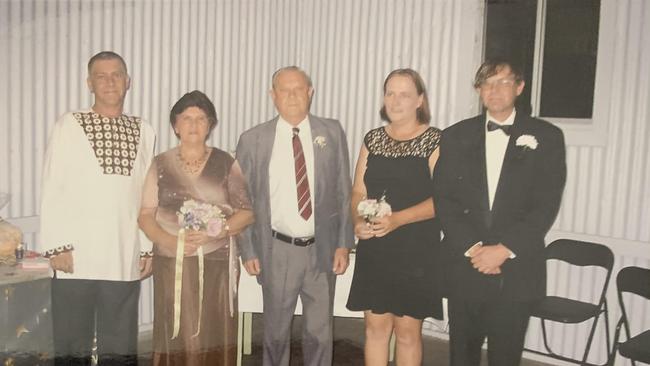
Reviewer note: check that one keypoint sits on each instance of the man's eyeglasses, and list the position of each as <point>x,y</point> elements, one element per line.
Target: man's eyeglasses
<point>498,84</point>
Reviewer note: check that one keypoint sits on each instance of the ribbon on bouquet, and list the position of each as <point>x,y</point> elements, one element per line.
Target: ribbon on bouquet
<point>178,280</point>
<point>178,284</point>
<point>232,275</point>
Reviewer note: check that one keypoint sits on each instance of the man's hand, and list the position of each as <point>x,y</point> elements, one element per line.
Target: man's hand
<point>341,260</point>
<point>63,262</point>
<point>145,267</point>
<point>252,266</point>
<point>488,259</point>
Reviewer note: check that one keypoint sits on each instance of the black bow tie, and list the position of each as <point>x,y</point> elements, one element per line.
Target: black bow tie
<point>491,126</point>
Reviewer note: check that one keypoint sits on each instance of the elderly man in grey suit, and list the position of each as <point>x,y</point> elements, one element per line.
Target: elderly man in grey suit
<point>297,167</point>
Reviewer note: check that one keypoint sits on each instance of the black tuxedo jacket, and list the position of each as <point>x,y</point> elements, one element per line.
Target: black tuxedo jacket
<point>525,206</point>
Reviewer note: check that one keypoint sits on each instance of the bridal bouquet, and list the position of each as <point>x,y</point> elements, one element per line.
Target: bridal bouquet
<point>194,215</point>
<point>373,208</point>
<point>201,216</point>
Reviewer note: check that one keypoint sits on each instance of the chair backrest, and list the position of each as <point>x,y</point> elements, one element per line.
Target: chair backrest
<point>635,280</point>
<point>581,253</point>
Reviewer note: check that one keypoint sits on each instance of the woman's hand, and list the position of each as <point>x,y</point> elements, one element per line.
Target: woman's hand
<point>362,230</point>
<point>223,233</point>
<point>193,240</point>
<point>380,226</point>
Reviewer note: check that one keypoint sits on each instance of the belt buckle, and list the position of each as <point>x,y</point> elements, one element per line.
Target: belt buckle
<point>305,242</point>
<point>299,242</point>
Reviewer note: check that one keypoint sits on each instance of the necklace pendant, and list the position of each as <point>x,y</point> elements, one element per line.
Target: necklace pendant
<point>192,167</point>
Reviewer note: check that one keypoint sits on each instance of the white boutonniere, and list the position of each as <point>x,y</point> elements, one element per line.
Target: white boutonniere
<point>320,141</point>
<point>527,142</point>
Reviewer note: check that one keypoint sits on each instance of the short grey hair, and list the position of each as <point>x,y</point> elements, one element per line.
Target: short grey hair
<point>290,68</point>
<point>107,55</point>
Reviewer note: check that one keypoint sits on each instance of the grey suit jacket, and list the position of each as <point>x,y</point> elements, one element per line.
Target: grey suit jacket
<point>330,199</point>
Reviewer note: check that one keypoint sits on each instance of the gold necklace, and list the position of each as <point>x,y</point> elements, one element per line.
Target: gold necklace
<point>192,167</point>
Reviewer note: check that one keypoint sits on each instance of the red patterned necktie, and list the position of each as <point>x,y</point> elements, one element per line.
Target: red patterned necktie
<point>302,183</point>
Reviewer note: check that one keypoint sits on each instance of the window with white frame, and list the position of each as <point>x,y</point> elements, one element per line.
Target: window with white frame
<point>556,42</point>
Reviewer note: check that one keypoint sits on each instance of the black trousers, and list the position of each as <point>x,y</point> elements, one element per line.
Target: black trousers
<point>81,307</point>
<point>503,322</point>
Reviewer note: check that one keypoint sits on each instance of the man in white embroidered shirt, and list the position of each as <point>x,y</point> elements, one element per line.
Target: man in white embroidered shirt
<point>497,187</point>
<point>94,169</point>
<point>298,174</point>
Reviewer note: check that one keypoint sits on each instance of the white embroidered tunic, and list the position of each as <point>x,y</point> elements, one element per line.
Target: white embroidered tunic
<point>93,175</point>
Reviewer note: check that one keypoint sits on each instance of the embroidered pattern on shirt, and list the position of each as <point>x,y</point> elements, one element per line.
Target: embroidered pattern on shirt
<point>114,140</point>
<point>379,143</point>
<point>58,250</point>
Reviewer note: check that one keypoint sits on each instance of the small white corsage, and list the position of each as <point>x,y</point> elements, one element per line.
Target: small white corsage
<point>320,141</point>
<point>373,208</point>
<point>527,142</point>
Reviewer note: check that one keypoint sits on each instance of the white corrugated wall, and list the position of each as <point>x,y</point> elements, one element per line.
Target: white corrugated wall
<point>607,196</point>
<point>230,48</point>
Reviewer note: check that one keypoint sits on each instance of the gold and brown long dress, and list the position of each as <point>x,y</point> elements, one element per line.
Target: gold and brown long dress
<point>167,187</point>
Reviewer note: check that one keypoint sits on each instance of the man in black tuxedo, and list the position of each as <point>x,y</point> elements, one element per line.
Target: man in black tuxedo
<point>497,190</point>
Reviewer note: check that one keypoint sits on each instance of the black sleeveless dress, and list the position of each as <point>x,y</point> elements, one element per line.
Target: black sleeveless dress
<point>397,273</point>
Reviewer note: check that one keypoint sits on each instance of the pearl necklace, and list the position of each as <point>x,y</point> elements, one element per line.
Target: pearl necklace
<point>192,167</point>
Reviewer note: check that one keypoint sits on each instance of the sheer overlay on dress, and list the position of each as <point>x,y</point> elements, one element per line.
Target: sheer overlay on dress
<point>167,187</point>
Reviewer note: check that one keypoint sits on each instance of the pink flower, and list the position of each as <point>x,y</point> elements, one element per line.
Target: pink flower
<point>214,227</point>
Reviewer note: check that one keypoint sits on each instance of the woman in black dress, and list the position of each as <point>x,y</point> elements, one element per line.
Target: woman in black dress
<point>394,281</point>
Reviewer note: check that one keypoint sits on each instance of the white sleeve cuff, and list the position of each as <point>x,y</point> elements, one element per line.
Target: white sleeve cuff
<point>477,245</point>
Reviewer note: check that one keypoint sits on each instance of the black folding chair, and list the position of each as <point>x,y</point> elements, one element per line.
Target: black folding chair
<point>634,280</point>
<point>569,311</point>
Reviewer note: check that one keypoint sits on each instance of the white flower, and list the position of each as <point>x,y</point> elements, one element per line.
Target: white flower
<point>527,141</point>
<point>367,208</point>
<point>372,208</point>
<point>320,141</point>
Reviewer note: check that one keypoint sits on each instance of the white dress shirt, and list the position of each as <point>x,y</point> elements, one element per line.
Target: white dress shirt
<point>496,143</point>
<point>285,217</point>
